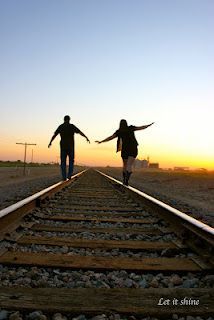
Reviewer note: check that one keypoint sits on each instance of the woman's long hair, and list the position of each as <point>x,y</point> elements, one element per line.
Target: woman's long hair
<point>123,125</point>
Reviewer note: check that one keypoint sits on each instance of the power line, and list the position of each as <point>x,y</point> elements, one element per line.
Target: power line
<point>25,152</point>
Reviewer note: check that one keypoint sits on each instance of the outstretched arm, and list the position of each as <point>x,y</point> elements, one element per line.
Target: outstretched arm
<point>83,135</point>
<point>54,136</point>
<point>107,139</point>
<point>143,127</point>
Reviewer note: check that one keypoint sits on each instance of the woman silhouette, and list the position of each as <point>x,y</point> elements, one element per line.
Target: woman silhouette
<point>127,144</point>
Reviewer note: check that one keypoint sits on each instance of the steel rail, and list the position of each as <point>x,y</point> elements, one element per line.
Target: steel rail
<point>41,194</point>
<point>181,215</point>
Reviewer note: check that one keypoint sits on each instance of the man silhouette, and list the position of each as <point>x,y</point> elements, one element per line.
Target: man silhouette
<point>67,131</point>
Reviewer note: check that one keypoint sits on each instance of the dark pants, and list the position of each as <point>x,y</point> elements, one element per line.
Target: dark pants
<point>129,152</point>
<point>63,155</point>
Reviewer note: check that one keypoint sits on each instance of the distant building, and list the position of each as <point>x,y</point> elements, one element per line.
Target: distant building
<point>201,170</point>
<point>137,164</point>
<point>181,168</point>
<point>144,163</point>
<point>154,165</point>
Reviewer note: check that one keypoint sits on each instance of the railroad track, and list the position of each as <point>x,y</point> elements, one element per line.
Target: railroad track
<point>92,247</point>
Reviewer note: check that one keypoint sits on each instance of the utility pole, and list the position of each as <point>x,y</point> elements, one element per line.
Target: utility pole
<point>25,152</point>
<point>32,156</point>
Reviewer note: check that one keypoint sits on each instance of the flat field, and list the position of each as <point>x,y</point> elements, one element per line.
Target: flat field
<point>10,175</point>
<point>15,187</point>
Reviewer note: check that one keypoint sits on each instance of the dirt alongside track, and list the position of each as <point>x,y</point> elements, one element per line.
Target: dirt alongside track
<point>15,187</point>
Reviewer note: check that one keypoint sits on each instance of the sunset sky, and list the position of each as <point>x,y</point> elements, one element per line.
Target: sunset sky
<point>103,60</point>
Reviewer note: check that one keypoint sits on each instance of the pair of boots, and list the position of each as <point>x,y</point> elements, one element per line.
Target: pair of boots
<point>126,176</point>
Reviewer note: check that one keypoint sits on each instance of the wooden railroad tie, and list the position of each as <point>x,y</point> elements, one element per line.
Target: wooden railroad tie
<point>146,302</point>
<point>92,217</point>
<point>99,263</point>
<point>95,244</point>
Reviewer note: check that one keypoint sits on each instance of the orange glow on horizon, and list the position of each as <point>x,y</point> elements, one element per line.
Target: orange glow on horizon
<point>93,155</point>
